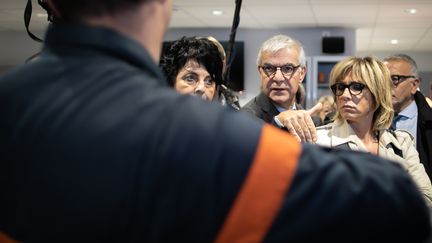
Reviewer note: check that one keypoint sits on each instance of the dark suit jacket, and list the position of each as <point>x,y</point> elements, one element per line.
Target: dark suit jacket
<point>424,132</point>
<point>261,107</point>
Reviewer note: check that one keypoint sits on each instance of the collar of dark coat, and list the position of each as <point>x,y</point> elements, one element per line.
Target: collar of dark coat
<point>265,103</point>
<point>67,37</point>
<point>423,107</point>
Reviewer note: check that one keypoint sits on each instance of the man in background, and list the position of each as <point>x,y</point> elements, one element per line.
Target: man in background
<point>95,147</point>
<point>281,64</point>
<point>412,112</point>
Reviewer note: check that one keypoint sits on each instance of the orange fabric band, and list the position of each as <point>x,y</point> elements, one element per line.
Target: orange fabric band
<point>264,188</point>
<point>4,238</point>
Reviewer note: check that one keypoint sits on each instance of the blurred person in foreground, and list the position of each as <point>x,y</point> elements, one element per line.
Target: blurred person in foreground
<point>362,91</point>
<point>96,147</point>
<point>412,112</point>
<point>281,65</point>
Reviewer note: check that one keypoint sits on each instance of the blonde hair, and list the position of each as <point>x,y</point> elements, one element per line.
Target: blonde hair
<point>375,75</point>
<point>326,99</point>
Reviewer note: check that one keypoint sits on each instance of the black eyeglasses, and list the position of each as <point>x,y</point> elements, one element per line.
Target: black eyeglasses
<point>287,70</point>
<point>397,79</point>
<point>355,88</point>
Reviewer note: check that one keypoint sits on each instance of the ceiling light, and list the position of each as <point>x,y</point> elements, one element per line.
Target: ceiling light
<point>42,15</point>
<point>394,42</point>
<point>411,10</point>
<point>217,12</point>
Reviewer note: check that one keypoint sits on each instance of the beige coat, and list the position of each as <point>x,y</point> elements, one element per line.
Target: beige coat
<point>341,134</point>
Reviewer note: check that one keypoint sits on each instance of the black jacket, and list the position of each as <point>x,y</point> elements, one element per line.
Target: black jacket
<point>94,147</point>
<point>424,132</point>
<point>261,107</point>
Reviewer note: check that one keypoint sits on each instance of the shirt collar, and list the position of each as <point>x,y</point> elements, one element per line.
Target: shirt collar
<point>67,38</point>
<point>343,133</point>
<point>410,111</point>
<point>281,109</point>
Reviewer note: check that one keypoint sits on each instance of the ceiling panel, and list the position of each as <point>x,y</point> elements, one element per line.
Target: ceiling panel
<point>282,11</point>
<point>343,2</point>
<point>287,22</point>
<point>392,2</point>
<point>357,11</point>
<point>399,11</point>
<point>424,43</point>
<point>376,21</point>
<point>404,24</point>
<point>399,32</point>
<point>344,22</point>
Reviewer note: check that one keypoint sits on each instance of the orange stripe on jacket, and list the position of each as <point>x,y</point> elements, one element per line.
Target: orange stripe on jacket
<point>4,238</point>
<point>264,188</point>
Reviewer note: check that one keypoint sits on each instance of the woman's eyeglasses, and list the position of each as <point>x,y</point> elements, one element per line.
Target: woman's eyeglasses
<point>354,88</point>
<point>287,70</point>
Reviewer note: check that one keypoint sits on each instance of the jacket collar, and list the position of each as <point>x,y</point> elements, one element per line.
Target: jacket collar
<point>266,105</point>
<point>342,133</point>
<point>68,38</point>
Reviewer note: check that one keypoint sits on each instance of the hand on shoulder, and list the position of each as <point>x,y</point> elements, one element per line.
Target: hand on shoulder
<point>300,124</point>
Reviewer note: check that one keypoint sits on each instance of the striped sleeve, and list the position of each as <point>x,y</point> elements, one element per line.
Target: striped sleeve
<point>265,186</point>
<point>4,238</point>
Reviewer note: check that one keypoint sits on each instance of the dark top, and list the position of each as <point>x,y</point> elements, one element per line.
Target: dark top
<point>424,132</point>
<point>261,107</point>
<point>327,119</point>
<point>94,147</point>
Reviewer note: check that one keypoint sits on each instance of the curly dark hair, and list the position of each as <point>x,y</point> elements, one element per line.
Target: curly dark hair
<point>178,53</point>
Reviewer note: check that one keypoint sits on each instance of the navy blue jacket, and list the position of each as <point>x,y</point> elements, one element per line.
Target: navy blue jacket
<point>95,147</point>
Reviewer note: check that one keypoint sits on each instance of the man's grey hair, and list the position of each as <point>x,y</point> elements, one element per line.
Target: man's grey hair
<point>406,58</point>
<point>279,42</point>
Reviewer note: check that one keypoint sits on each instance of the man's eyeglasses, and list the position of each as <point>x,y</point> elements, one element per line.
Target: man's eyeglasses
<point>354,88</point>
<point>287,70</point>
<point>397,79</point>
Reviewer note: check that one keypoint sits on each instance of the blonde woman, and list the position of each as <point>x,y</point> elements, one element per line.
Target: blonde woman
<point>362,92</point>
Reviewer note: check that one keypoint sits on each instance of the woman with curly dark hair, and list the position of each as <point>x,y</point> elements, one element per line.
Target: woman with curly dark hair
<point>193,66</point>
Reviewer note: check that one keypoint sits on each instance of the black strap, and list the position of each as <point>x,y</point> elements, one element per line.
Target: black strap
<point>229,97</point>
<point>230,50</point>
<point>27,18</point>
<point>395,150</point>
<point>226,93</point>
<point>343,146</point>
